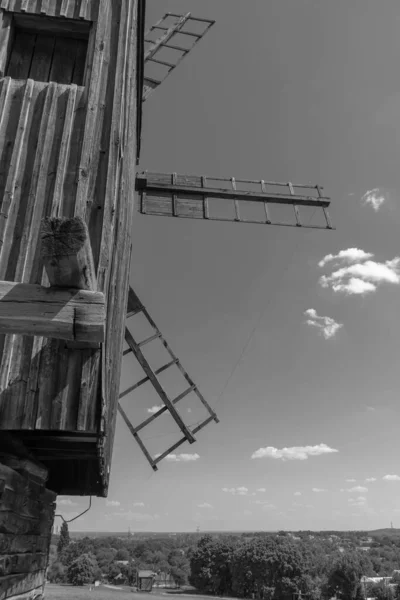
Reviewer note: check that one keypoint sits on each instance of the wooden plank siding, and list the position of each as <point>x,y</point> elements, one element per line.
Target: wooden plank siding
<point>70,9</point>
<point>69,150</point>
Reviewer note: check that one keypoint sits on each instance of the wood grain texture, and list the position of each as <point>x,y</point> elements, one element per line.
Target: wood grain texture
<point>71,9</point>
<point>60,313</point>
<point>84,141</point>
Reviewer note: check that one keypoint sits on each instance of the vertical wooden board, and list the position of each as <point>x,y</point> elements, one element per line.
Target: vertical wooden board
<point>80,61</point>
<point>88,400</point>
<point>74,157</point>
<point>42,58</point>
<point>23,183</point>
<point>48,386</point>
<point>60,397</point>
<point>8,132</point>
<point>56,209</point>
<point>72,390</point>
<point>21,55</point>
<point>62,67</point>
<point>31,397</point>
<point>5,40</point>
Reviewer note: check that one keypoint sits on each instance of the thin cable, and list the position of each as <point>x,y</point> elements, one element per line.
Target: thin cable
<point>261,316</point>
<point>77,517</point>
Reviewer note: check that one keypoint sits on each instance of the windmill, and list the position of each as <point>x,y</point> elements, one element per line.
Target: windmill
<point>207,199</point>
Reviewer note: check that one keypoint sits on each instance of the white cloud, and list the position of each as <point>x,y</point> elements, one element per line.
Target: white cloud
<point>326,325</point>
<point>375,198</point>
<point>293,453</point>
<point>205,505</point>
<point>261,490</point>
<point>357,489</point>
<point>297,493</point>
<point>370,409</point>
<point>154,409</point>
<point>138,504</point>
<point>360,501</point>
<point>238,491</point>
<point>370,479</point>
<point>247,513</point>
<point>391,478</point>
<point>113,503</point>
<point>66,502</point>
<point>350,480</point>
<point>318,490</point>
<point>359,277</point>
<point>181,457</point>
<point>135,516</point>
<point>346,256</point>
<point>265,504</point>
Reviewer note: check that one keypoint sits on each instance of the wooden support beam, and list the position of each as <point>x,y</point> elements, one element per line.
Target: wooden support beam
<point>66,314</point>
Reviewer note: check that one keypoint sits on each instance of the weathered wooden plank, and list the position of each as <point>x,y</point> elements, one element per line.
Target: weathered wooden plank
<point>62,313</point>
<point>87,410</point>
<point>14,544</point>
<point>5,40</point>
<point>91,141</point>
<point>35,593</point>
<point>64,151</point>
<point>42,58</point>
<point>13,585</point>
<point>21,55</point>
<point>22,563</point>
<point>10,204</point>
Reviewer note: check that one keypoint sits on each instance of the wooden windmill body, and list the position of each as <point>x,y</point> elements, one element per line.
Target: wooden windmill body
<point>73,78</point>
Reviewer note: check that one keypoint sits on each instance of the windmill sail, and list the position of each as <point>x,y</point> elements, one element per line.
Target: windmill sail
<point>135,307</point>
<point>230,199</point>
<point>179,35</point>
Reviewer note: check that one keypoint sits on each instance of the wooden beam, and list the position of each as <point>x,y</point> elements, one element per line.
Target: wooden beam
<point>151,187</point>
<point>66,314</point>
<point>67,253</point>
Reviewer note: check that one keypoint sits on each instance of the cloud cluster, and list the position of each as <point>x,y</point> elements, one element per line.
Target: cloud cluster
<point>357,489</point>
<point>370,479</point>
<point>113,503</point>
<point>141,504</point>
<point>350,480</point>
<point>360,501</point>
<point>205,505</point>
<point>261,490</point>
<point>318,490</point>
<point>65,502</point>
<point>391,478</point>
<point>154,409</point>
<point>355,273</point>
<point>265,504</point>
<point>182,457</point>
<point>374,198</point>
<point>297,493</point>
<point>327,326</point>
<point>238,491</point>
<point>293,453</point>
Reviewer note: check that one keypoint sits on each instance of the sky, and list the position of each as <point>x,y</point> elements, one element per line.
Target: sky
<point>291,335</point>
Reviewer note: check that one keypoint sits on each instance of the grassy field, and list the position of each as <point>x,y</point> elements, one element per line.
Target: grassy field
<point>69,592</point>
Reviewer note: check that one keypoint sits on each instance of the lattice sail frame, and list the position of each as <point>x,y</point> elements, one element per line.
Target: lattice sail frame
<point>134,307</point>
<point>195,197</point>
<point>176,38</point>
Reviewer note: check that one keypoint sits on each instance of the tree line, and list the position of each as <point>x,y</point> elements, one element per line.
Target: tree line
<point>283,568</point>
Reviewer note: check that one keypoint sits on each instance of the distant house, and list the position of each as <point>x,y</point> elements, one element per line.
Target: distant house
<point>145,580</point>
<point>122,562</point>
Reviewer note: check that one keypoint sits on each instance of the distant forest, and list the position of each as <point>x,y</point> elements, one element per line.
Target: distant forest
<point>270,566</point>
